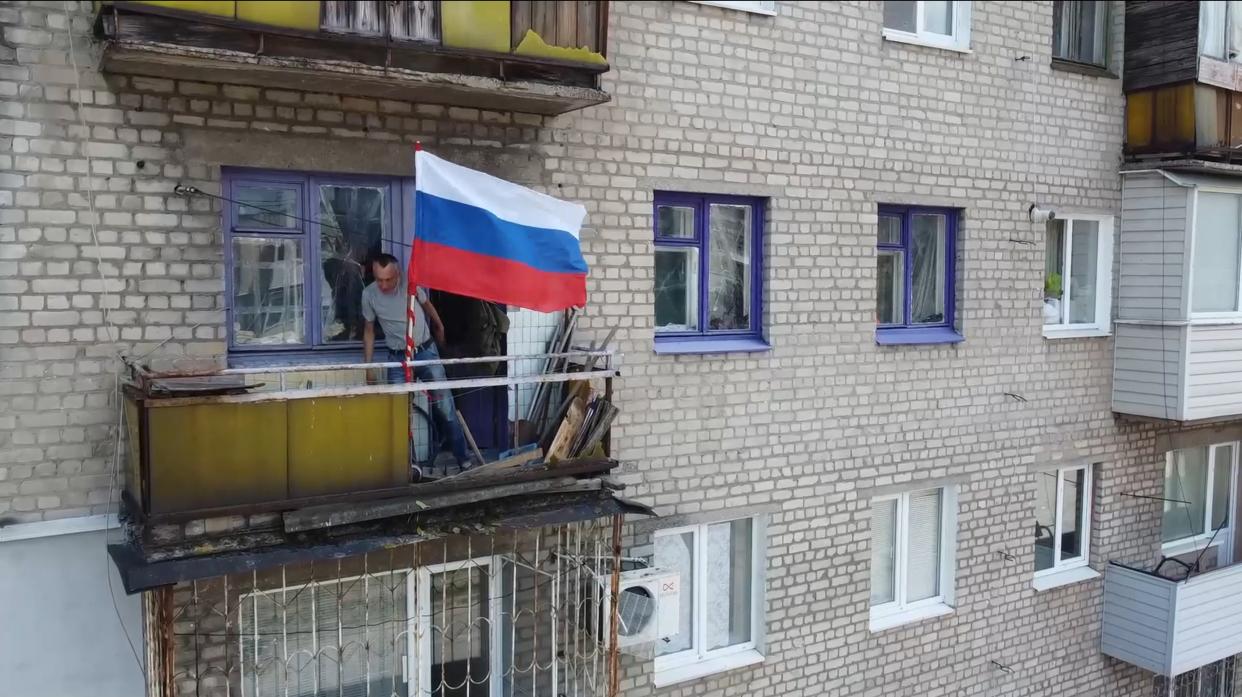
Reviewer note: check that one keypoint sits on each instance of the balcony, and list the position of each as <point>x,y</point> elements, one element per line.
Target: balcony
<point>1178,332</point>
<point>533,57</point>
<point>1170,626</point>
<point>1183,90</point>
<point>210,443</point>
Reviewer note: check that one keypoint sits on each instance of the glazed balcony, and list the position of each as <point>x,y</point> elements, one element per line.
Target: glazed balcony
<point>525,56</point>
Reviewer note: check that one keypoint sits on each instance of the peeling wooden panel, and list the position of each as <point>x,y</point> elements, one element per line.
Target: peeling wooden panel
<point>416,20</point>
<point>520,21</point>
<point>353,17</point>
<point>565,23</point>
<point>588,26</point>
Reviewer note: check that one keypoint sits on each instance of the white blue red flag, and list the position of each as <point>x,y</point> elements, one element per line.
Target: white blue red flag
<point>486,238</point>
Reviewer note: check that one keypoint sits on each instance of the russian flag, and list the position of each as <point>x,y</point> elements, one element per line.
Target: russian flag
<point>487,238</point>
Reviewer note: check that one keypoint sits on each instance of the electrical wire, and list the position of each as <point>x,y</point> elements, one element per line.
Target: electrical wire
<point>107,297</point>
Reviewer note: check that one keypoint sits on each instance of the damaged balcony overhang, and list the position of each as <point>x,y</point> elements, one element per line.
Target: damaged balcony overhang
<point>479,505</point>
<point>157,42</point>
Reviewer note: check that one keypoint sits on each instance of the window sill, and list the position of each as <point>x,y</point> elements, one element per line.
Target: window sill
<point>1066,577</point>
<point>903,37</point>
<point>1070,66</point>
<point>709,344</point>
<point>1191,545</point>
<point>700,669</point>
<point>1061,332</point>
<point>898,619</point>
<point>917,335</point>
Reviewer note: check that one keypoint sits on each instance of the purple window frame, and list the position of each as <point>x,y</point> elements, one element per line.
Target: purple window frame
<point>706,340</point>
<point>399,203</point>
<point>906,332</point>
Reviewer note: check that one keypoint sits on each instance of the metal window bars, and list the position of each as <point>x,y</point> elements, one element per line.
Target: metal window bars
<point>1220,679</point>
<point>513,614</point>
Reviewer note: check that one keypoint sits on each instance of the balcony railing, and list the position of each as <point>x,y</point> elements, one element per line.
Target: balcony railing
<point>1170,626</point>
<point>219,442</point>
<point>540,57</point>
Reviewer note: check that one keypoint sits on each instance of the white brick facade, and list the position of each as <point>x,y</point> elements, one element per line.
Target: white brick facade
<point>810,108</point>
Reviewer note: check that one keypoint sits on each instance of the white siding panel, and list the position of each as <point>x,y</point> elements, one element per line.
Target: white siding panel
<point>1137,618</point>
<point>1214,375</point>
<point>1147,364</point>
<point>1208,616</point>
<point>1151,249</point>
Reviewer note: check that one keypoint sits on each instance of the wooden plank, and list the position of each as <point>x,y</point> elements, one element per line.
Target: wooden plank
<point>335,516</point>
<point>509,462</point>
<point>559,449</point>
<point>520,21</point>
<point>566,23</point>
<point>588,30</point>
<point>543,19</point>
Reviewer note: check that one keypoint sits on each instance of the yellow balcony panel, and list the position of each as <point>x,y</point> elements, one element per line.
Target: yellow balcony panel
<point>343,444</point>
<point>202,7</point>
<point>481,25</point>
<point>295,14</point>
<point>211,455</point>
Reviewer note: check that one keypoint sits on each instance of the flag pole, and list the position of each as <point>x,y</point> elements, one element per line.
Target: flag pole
<point>411,292</point>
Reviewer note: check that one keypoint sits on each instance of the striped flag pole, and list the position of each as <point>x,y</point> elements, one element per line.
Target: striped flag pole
<point>409,311</point>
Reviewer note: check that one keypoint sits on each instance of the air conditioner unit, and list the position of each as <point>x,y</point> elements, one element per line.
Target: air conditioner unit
<point>648,609</point>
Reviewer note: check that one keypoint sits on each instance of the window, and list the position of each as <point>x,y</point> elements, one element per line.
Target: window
<point>1198,486</point>
<point>352,635</point>
<point>912,541</point>
<point>759,7</point>
<point>1078,263</point>
<point>1215,271</point>
<point>708,273</point>
<point>938,23</point>
<point>1217,33</point>
<point>297,250</point>
<point>1219,679</point>
<point>721,628</point>
<point>914,275</point>
<point>1080,31</point>
<point>1062,519</point>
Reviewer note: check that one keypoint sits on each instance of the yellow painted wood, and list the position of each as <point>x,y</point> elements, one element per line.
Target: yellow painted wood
<point>133,460</point>
<point>345,444</point>
<point>534,45</point>
<point>1184,98</point>
<point>477,24</point>
<point>295,14</point>
<point>1139,114</point>
<point>208,455</point>
<point>207,7</point>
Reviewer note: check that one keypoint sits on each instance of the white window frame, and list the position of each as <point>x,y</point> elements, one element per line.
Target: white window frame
<point>1224,539</point>
<point>1232,316</point>
<point>758,7</point>
<point>421,622</point>
<point>1084,525</point>
<point>958,41</point>
<point>898,612</point>
<point>696,661</point>
<point>1102,326</point>
<point>418,621</point>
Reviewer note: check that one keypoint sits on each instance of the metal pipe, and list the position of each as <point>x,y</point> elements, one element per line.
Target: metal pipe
<point>357,390</point>
<point>316,367</point>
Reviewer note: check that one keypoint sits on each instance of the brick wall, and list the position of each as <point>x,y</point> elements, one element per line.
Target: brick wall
<point>810,108</point>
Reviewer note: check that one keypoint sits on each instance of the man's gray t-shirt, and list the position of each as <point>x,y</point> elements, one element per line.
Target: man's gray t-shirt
<point>389,308</point>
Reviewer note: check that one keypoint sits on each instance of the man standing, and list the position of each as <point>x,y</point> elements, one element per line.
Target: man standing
<point>385,300</point>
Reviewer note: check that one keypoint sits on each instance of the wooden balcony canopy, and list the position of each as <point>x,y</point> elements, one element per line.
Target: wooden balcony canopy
<point>534,57</point>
